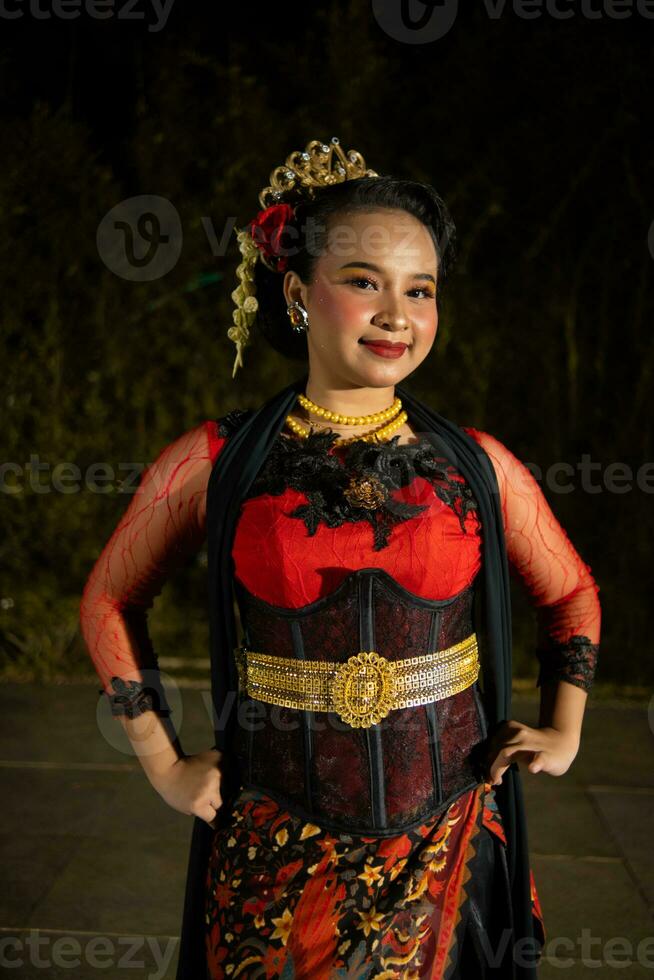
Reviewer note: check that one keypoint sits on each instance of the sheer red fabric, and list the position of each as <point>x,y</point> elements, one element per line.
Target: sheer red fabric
<point>560,584</point>
<point>163,525</point>
<point>433,553</point>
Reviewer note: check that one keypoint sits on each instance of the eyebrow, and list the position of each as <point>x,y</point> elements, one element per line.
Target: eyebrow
<point>375,268</point>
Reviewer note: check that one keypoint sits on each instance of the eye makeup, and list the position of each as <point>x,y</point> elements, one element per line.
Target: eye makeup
<point>427,290</point>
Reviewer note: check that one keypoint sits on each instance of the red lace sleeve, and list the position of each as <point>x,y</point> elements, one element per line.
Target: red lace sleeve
<point>163,525</point>
<point>559,582</point>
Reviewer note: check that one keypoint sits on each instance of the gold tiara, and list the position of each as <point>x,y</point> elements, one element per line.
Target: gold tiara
<point>318,165</point>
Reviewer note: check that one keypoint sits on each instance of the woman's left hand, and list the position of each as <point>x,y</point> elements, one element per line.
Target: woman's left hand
<point>542,749</point>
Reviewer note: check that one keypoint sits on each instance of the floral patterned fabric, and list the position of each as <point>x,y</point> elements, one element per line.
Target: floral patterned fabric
<point>286,899</point>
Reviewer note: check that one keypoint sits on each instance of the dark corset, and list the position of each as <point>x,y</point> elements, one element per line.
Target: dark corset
<point>378,780</point>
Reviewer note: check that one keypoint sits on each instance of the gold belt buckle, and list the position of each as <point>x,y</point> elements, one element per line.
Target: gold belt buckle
<point>364,689</point>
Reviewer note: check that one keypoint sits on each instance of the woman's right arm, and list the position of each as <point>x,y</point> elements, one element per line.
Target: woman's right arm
<point>163,525</point>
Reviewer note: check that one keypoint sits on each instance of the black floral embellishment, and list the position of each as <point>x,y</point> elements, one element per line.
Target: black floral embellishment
<point>132,698</point>
<point>229,423</point>
<point>456,493</point>
<point>574,661</point>
<point>356,483</point>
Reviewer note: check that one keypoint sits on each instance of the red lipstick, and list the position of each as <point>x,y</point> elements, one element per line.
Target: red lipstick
<point>384,348</point>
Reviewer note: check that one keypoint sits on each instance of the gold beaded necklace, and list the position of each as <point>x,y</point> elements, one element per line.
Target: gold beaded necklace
<point>391,418</point>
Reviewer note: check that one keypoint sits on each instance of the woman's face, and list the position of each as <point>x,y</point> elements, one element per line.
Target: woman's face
<point>376,280</point>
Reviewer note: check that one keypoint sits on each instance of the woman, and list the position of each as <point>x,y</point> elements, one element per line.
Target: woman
<point>360,814</point>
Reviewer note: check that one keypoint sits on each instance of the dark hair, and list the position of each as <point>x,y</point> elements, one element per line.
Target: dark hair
<point>306,240</point>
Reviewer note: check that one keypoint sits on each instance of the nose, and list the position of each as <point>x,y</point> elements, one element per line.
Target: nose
<point>391,319</point>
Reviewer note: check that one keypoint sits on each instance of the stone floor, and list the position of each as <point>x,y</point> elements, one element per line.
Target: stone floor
<point>95,862</point>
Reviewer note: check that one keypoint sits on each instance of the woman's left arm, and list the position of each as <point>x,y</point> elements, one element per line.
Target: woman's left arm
<point>565,595</point>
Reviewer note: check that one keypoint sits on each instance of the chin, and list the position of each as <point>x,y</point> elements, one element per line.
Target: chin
<point>385,376</point>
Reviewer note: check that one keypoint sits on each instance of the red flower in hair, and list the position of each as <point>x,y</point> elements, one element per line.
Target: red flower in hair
<point>266,231</point>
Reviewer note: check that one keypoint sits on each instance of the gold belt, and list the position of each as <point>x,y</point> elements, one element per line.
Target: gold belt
<point>363,689</point>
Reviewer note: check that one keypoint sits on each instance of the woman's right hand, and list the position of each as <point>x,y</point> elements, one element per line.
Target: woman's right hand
<point>191,785</point>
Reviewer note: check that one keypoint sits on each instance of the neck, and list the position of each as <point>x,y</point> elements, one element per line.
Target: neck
<point>348,401</point>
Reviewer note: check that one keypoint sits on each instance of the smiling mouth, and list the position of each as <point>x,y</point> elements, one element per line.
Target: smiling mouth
<point>384,343</point>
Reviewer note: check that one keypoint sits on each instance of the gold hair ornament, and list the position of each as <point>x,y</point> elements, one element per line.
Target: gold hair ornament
<point>318,165</point>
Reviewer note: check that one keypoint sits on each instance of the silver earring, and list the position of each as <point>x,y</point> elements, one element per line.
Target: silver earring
<point>298,317</point>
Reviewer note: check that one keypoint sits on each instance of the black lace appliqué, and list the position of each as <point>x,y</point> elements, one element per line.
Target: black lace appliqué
<point>132,698</point>
<point>227,424</point>
<point>574,661</point>
<point>358,488</point>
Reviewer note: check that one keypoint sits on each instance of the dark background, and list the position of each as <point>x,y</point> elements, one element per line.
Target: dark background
<point>536,132</point>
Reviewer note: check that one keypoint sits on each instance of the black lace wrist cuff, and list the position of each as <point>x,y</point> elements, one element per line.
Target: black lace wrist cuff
<point>574,661</point>
<point>132,698</point>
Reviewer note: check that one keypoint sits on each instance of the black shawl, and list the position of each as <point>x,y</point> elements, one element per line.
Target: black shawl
<point>238,464</point>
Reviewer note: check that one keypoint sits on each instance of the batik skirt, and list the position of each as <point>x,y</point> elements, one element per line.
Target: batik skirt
<point>287,899</point>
